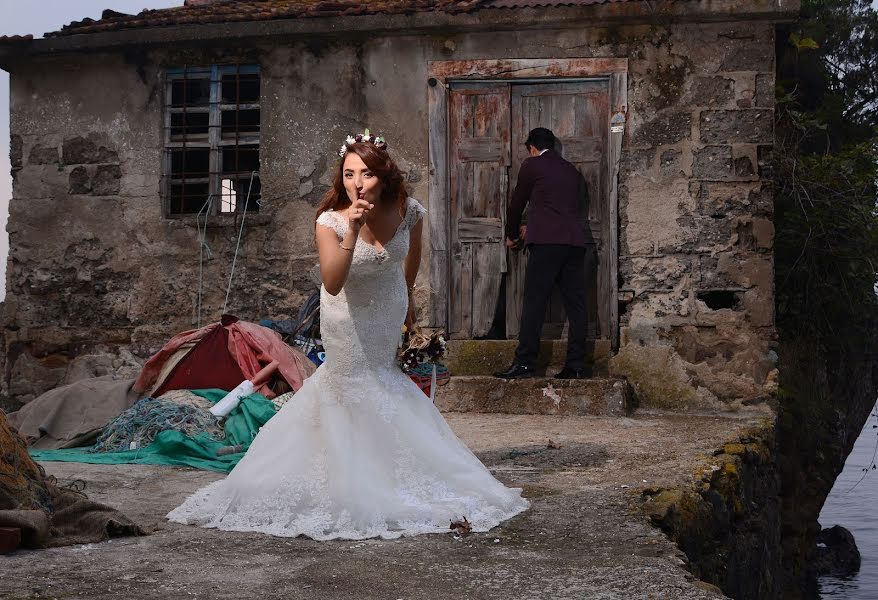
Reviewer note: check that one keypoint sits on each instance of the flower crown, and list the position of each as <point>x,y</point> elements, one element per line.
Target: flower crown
<point>366,137</point>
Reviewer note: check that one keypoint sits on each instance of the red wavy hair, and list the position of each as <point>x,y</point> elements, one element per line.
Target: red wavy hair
<point>393,188</point>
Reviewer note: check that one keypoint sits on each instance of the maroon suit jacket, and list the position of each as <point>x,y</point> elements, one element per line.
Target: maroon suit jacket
<point>557,195</point>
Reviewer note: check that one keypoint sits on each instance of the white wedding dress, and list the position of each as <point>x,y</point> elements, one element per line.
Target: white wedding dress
<point>359,451</point>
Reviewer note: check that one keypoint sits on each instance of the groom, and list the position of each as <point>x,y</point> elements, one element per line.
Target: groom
<point>555,239</point>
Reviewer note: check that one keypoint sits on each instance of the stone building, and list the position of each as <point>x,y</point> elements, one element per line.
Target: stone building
<point>153,153</point>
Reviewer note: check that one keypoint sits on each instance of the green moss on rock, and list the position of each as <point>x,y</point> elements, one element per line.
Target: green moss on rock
<point>727,519</point>
<point>656,374</point>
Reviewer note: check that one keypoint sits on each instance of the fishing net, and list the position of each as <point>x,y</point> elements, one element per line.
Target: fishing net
<point>22,481</point>
<point>138,426</point>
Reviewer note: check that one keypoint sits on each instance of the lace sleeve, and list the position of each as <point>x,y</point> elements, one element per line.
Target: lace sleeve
<point>328,219</point>
<point>414,212</point>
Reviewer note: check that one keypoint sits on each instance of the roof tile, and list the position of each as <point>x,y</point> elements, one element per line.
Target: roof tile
<point>542,3</point>
<point>15,39</point>
<point>227,11</point>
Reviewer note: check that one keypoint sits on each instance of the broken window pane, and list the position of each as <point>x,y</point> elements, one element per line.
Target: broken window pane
<point>229,196</point>
<point>240,88</point>
<point>237,190</point>
<point>250,191</point>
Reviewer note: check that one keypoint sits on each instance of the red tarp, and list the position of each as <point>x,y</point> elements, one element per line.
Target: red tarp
<point>224,355</point>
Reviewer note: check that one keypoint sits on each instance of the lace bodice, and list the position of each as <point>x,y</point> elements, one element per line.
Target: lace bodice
<point>362,325</point>
<point>366,256</point>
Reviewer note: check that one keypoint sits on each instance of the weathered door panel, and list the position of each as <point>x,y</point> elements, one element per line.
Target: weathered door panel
<point>479,131</point>
<point>578,114</point>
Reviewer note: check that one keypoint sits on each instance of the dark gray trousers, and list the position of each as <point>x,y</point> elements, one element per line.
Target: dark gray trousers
<point>547,265</point>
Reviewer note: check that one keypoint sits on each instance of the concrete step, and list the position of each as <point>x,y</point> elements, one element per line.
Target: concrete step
<point>535,396</point>
<point>485,357</point>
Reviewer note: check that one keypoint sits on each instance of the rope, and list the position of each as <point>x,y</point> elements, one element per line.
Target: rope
<point>202,246</point>
<point>238,245</point>
<point>205,248</point>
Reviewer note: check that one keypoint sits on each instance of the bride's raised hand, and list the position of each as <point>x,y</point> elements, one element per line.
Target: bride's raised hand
<point>358,213</point>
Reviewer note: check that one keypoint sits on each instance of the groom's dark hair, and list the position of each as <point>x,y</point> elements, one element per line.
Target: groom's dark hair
<point>540,138</point>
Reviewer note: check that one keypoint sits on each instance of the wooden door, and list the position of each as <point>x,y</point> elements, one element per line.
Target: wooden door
<point>578,114</point>
<point>479,132</point>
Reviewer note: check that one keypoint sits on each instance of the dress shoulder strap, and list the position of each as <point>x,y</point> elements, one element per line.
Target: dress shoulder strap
<point>414,212</point>
<point>331,219</point>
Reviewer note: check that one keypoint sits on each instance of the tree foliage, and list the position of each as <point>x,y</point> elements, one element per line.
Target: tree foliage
<point>826,253</point>
<point>831,62</point>
<point>826,169</point>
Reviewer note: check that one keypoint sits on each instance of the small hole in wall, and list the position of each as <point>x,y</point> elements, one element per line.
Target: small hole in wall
<point>719,299</point>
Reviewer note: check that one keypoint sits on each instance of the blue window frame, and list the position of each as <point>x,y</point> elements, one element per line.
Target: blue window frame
<point>212,122</point>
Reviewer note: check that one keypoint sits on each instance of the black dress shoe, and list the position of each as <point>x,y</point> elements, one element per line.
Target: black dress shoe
<point>516,372</point>
<point>568,373</point>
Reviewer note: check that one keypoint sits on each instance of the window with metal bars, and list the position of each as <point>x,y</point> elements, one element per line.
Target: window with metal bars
<point>211,159</point>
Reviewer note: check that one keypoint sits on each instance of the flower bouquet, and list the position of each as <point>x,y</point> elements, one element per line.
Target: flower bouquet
<point>420,357</point>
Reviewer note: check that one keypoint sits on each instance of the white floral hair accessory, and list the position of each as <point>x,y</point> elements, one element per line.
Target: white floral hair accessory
<point>366,137</point>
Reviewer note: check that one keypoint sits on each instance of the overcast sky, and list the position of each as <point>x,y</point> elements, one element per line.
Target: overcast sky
<point>20,17</point>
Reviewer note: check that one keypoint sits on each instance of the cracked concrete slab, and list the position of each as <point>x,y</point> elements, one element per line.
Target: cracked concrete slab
<point>585,535</point>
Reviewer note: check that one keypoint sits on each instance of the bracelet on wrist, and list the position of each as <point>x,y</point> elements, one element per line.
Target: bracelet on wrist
<point>343,247</point>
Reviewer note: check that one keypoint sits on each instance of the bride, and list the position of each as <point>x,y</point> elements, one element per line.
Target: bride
<point>360,451</point>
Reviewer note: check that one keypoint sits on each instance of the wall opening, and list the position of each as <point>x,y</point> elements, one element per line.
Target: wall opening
<point>720,299</point>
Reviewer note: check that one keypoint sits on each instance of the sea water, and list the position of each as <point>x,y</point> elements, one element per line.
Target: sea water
<point>853,504</point>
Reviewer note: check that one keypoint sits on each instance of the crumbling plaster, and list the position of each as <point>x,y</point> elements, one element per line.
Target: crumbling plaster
<point>95,262</point>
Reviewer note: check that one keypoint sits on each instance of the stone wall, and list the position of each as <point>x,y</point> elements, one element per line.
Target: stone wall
<point>696,220</point>
<point>94,262</point>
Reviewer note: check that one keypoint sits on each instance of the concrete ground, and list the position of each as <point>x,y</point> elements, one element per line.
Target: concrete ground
<point>584,537</point>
